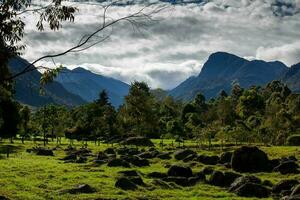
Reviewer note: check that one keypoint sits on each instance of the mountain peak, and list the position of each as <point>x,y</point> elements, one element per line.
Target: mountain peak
<point>221,69</point>
<point>222,55</point>
<point>80,70</point>
<point>221,64</point>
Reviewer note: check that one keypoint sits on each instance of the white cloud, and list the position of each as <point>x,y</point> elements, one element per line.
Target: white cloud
<point>175,48</point>
<point>288,53</point>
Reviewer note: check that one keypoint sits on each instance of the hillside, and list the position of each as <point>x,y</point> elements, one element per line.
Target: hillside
<point>27,88</point>
<point>222,69</point>
<point>292,78</point>
<point>88,85</point>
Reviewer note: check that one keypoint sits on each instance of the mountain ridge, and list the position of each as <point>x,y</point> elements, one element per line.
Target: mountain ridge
<point>88,85</point>
<point>27,88</point>
<point>222,69</point>
<point>292,77</point>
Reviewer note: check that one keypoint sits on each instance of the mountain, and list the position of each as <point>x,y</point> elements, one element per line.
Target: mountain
<point>88,85</point>
<point>27,88</point>
<point>159,94</point>
<point>292,78</point>
<point>222,69</point>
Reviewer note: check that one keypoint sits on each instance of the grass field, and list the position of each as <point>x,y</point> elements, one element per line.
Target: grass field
<point>26,176</point>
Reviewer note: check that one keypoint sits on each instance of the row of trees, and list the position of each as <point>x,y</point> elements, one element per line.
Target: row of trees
<point>257,114</point>
<point>18,119</point>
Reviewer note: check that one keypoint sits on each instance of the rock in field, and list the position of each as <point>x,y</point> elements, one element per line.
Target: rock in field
<point>207,170</point>
<point>230,177</point>
<point>199,177</point>
<point>164,156</point>
<point>243,180</point>
<point>296,190</point>
<point>118,163</point>
<point>182,154</point>
<point>182,181</point>
<point>109,151</point>
<point>208,160</point>
<point>129,173</point>
<point>217,178</point>
<point>287,167</point>
<point>147,155</point>
<point>136,180</point>
<point>70,157</point>
<point>225,157</point>
<point>102,156</point>
<point>136,161</point>
<point>81,159</point>
<point>138,141</point>
<point>190,158</point>
<point>125,184</point>
<point>159,175</point>
<point>249,186</point>
<point>179,171</point>
<point>3,198</point>
<point>250,159</point>
<point>252,190</point>
<point>284,185</point>
<point>162,184</point>
<point>44,152</point>
<point>84,188</point>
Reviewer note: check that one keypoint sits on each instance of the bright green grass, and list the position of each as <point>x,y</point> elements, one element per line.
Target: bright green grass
<point>25,176</point>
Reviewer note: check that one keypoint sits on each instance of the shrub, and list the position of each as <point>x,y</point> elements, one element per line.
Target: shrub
<point>294,140</point>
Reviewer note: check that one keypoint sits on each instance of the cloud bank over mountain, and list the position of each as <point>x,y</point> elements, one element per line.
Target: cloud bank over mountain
<point>176,46</point>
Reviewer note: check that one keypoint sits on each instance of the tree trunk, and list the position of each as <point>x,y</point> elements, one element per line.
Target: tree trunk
<point>44,139</point>
<point>7,152</point>
<point>209,143</point>
<point>52,134</point>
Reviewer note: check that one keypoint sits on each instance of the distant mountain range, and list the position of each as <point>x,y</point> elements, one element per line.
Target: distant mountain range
<point>223,69</point>
<point>27,88</point>
<point>292,78</point>
<point>88,85</point>
<point>78,86</point>
<point>70,88</point>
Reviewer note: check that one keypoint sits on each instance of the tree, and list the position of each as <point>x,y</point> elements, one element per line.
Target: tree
<point>169,111</point>
<point>175,128</point>
<point>140,110</point>
<point>25,115</point>
<point>225,110</point>
<point>194,123</point>
<point>236,93</point>
<point>223,135</point>
<point>50,119</point>
<point>223,94</point>
<point>278,87</point>
<point>250,102</point>
<point>10,119</point>
<point>103,98</point>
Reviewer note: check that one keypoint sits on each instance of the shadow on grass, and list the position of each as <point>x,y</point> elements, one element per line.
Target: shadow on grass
<point>8,149</point>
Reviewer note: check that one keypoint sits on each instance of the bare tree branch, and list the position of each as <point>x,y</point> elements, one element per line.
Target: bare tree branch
<point>133,19</point>
<point>33,10</point>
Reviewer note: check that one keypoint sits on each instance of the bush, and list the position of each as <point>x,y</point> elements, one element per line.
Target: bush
<point>293,140</point>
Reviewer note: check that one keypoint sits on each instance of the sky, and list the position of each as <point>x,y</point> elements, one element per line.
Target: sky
<point>178,41</point>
